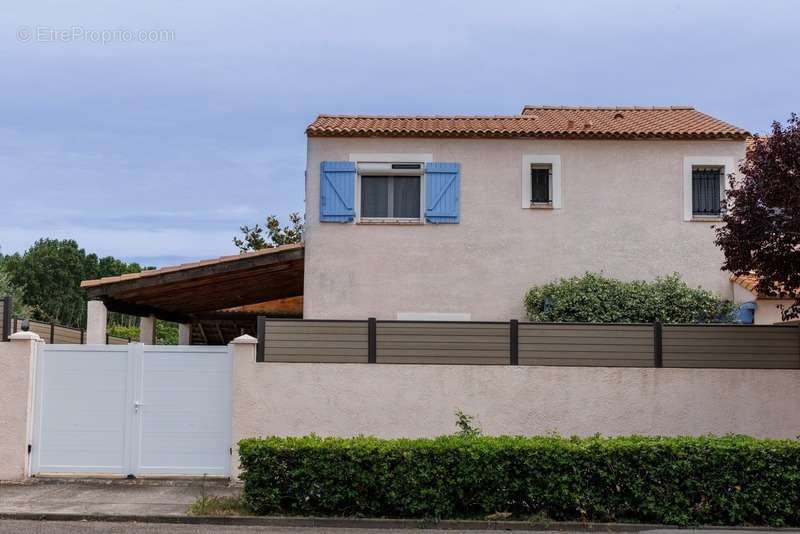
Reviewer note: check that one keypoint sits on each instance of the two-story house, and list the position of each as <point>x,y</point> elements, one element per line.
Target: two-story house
<point>456,217</point>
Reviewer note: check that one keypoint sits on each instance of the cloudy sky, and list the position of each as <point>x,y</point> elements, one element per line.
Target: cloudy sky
<point>188,122</point>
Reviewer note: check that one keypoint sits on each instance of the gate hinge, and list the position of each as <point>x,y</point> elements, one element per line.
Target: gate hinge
<point>30,447</point>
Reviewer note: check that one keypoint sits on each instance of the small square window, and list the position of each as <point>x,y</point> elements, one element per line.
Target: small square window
<point>541,176</point>
<point>390,197</point>
<point>707,186</point>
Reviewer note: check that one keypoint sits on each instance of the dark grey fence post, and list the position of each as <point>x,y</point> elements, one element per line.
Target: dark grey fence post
<point>513,342</point>
<point>372,340</point>
<point>82,336</point>
<point>6,324</point>
<point>261,334</point>
<point>52,332</point>
<point>658,346</point>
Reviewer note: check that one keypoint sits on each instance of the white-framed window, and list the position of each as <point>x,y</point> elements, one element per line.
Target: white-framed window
<point>540,181</point>
<point>390,188</point>
<point>704,183</point>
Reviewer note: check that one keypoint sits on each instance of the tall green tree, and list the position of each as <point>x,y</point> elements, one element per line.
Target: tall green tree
<point>47,276</point>
<point>272,234</point>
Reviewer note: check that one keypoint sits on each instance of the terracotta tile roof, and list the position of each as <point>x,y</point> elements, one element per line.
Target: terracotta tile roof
<point>187,266</point>
<point>541,122</point>
<point>750,283</point>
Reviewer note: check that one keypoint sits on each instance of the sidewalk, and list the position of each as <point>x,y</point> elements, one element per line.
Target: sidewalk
<point>143,505</point>
<point>106,497</point>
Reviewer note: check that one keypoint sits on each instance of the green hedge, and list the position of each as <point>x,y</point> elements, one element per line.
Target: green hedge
<point>594,298</point>
<point>732,480</point>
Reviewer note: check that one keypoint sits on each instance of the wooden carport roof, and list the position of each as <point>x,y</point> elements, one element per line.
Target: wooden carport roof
<point>195,290</point>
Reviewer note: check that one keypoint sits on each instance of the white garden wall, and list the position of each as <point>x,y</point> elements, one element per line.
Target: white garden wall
<point>390,400</point>
<point>295,399</point>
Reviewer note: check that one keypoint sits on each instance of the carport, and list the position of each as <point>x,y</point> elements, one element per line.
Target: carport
<point>213,301</point>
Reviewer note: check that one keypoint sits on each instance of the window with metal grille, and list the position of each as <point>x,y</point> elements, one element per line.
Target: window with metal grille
<point>540,184</point>
<point>707,190</point>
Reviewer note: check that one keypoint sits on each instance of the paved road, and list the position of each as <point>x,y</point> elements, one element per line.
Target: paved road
<point>92,527</point>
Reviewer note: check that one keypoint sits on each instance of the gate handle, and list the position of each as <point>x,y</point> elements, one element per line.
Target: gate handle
<point>137,405</point>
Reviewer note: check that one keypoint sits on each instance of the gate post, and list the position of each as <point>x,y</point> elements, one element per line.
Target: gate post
<point>17,360</point>
<point>243,354</point>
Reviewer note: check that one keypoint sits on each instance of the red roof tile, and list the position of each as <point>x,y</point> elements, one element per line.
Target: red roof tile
<point>539,121</point>
<point>750,283</point>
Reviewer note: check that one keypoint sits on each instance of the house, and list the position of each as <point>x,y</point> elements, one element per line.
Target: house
<point>455,218</point>
<point>450,218</point>
<point>757,307</point>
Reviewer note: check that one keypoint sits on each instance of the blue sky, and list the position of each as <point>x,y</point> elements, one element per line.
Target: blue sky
<point>157,151</point>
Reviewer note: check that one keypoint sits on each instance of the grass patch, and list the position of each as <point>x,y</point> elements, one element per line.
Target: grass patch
<point>219,506</point>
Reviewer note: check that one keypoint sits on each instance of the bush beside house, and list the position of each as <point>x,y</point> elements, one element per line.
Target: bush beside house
<point>731,480</point>
<point>594,298</point>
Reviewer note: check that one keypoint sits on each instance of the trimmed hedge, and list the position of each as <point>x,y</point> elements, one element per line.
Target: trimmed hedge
<point>732,480</point>
<point>594,298</point>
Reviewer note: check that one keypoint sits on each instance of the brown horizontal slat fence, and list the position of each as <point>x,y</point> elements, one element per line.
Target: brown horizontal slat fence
<point>5,318</point>
<point>591,345</point>
<point>515,343</point>
<point>316,341</point>
<point>61,335</point>
<point>735,347</point>
<point>442,343</point>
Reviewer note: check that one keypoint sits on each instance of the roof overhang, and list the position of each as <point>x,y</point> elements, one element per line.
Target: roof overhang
<point>186,292</point>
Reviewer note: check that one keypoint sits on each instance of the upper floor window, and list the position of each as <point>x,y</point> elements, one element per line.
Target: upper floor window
<point>704,182</point>
<point>390,188</point>
<point>541,181</point>
<point>707,187</point>
<point>393,197</point>
<point>541,177</point>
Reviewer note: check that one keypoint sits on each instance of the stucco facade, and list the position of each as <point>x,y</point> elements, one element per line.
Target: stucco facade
<point>294,399</point>
<point>16,390</point>
<point>622,213</point>
<point>767,311</point>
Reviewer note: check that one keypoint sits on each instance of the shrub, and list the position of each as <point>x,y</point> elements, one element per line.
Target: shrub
<point>732,480</point>
<point>593,298</point>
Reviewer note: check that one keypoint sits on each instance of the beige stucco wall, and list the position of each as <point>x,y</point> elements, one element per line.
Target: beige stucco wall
<point>768,311</point>
<point>292,399</point>
<point>622,214</point>
<point>16,359</point>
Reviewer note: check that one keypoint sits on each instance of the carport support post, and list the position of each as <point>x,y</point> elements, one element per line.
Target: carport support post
<point>185,334</point>
<point>96,317</point>
<point>147,330</point>
<point>243,353</point>
<point>16,403</point>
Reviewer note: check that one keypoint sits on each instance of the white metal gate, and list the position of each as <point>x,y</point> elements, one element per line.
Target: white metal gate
<point>132,410</point>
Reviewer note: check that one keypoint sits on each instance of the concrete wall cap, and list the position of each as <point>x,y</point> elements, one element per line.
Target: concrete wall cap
<point>244,340</point>
<point>24,336</point>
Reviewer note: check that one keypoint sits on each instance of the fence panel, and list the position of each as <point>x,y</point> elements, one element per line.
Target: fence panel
<point>5,318</point>
<point>734,347</point>
<point>61,335</point>
<point>428,342</point>
<point>601,345</point>
<point>316,341</point>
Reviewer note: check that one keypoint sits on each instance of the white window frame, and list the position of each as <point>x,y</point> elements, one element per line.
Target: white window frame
<point>554,162</point>
<point>388,158</point>
<point>728,165</point>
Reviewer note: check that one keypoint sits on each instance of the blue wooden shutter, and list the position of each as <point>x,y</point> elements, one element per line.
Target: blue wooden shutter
<point>442,192</point>
<point>337,191</point>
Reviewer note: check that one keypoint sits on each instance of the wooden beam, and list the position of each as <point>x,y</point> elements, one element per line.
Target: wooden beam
<point>192,273</point>
<point>145,311</point>
<point>203,333</point>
